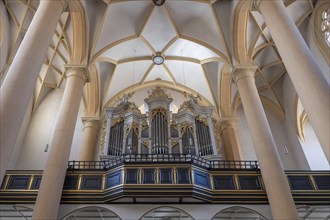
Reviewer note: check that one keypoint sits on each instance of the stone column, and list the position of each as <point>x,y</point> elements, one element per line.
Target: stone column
<point>230,139</point>
<point>214,146</point>
<point>276,183</point>
<point>19,83</point>
<point>88,145</point>
<point>307,78</point>
<point>49,195</point>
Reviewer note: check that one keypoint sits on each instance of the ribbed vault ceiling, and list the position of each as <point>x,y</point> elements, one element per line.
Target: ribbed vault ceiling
<point>198,38</point>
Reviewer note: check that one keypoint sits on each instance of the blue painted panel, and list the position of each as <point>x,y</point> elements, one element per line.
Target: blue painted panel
<point>70,182</point>
<point>19,182</point>
<point>166,176</point>
<point>249,182</point>
<point>202,179</point>
<point>183,176</point>
<point>91,183</point>
<point>113,179</point>
<point>148,176</point>
<point>224,182</point>
<point>300,183</point>
<point>131,176</point>
<point>322,182</point>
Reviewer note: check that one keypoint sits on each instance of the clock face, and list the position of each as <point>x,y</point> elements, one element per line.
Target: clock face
<point>158,60</point>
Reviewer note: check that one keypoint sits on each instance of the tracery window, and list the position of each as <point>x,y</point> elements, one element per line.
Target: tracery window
<point>325,25</point>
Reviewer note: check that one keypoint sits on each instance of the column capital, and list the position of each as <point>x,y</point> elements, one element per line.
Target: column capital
<point>240,72</point>
<point>77,70</point>
<point>91,122</point>
<point>227,123</point>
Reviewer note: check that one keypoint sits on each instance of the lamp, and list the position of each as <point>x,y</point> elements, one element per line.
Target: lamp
<point>159,2</point>
<point>158,59</point>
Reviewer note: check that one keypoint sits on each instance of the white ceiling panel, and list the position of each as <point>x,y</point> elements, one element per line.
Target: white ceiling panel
<point>159,30</point>
<point>196,20</point>
<point>122,20</point>
<point>186,48</point>
<point>128,49</point>
<point>192,76</point>
<point>127,74</point>
<point>158,72</point>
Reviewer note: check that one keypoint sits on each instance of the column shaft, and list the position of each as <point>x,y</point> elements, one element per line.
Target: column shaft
<point>20,81</point>
<point>230,140</point>
<point>307,78</point>
<point>50,192</point>
<point>107,132</point>
<point>214,145</point>
<point>88,146</point>
<point>277,187</point>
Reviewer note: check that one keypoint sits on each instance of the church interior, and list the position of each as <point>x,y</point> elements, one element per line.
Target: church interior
<point>165,109</point>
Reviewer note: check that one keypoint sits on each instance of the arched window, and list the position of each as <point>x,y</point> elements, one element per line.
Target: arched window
<point>15,212</point>
<point>93,212</point>
<point>238,212</point>
<point>325,25</point>
<point>321,27</point>
<point>168,213</point>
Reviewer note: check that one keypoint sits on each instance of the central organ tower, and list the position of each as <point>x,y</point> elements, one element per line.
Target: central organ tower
<point>159,131</point>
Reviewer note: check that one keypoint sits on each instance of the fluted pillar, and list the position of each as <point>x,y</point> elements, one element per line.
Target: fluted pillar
<point>230,139</point>
<point>88,145</point>
<point>19,83</point>
<point>49,195</point>
<point>307,78</point>
<point>277,186</point>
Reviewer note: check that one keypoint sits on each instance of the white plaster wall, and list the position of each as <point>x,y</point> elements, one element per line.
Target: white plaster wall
<point>38,135</point>
<point>32,155</point>
<point>135,212</point>
<point>244,136</point>
<point>20,137</point>
<point>278,132</point>
<point>78,135</point>
<point>290,128</point>
<point>281,141</point>
<point>313,150</point>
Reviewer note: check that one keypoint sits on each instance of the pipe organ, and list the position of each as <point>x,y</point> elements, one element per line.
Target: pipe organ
<point>159,131</point>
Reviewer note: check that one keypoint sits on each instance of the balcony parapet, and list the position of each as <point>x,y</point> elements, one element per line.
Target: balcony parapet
<point>157,178</point>
<point>206,163</point>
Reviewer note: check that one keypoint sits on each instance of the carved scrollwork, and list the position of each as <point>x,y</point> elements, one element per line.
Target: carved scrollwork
<point>217,135</point>
<point>103,127</point>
